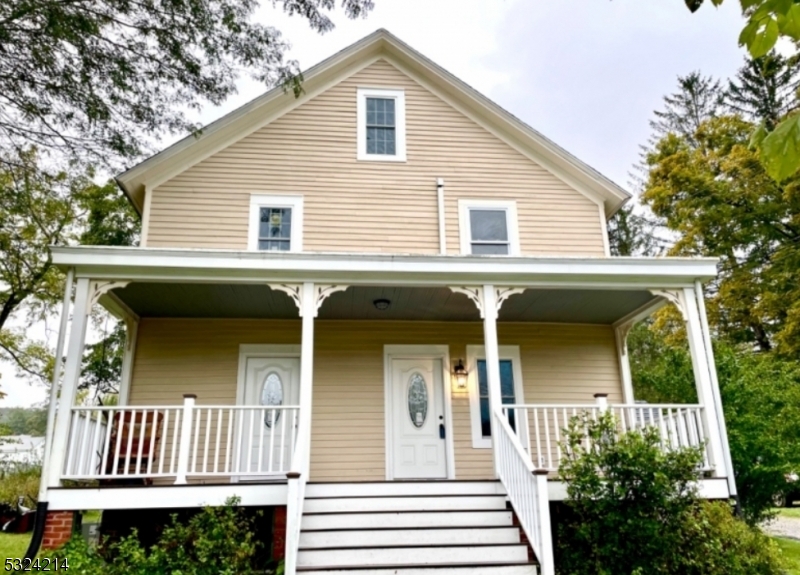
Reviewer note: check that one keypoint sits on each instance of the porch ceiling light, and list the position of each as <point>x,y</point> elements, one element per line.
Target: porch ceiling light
<point>382,304</point>
<point>460,376</point>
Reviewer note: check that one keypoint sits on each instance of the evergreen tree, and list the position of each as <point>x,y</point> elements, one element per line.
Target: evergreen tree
<point>698,99</point>
<point>764,89</point>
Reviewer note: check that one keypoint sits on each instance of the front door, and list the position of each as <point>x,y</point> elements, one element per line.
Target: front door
<point>418,425</point>
<point>267,433</point>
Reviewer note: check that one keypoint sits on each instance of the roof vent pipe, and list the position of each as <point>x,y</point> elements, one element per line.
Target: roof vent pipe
<point>440,198</point>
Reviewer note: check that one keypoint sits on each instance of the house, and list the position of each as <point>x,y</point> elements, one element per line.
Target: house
<point>371,308</point>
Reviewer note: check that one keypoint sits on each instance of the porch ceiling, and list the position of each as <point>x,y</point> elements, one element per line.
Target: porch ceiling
<point>357,302</point>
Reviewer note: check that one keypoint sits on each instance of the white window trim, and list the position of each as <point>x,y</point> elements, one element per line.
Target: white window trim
<point>475,353</point>
<point>258,201</point>
<point>399,96</point>
<point>465,230</point>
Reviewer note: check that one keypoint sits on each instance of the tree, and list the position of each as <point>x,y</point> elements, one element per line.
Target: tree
<point>698,99</point>
<point>91,77</point>
<point>631,234</point>
<point>719,200</point>
<point>764,89</point>
<point>767,20</point>
<point>39,208</point>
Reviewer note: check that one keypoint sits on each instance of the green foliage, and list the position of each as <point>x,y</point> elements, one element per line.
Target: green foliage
<point>102,363</point>
<point>764,89</point>
<point>216,541</point>
<point>20,480</point>
<point>633,509</point>
<point>627,500</point>
<point>716,196</point>
<point>24,421</point>
<point>698,98</point>
<point>92,78</point>
<point>767,20</point>
<point>38,208</point>
<point>761,399</point>
<point>631,234</point>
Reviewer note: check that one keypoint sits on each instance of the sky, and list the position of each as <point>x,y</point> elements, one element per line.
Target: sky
<point>585,73</point>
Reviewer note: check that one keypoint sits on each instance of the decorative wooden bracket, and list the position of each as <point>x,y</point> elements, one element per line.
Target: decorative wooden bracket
<point>323,292</point>
<point>674,296</point>
<point>294,291</point>
<point>473,293</point>
<point>501,294</point>
<point>101,287</point>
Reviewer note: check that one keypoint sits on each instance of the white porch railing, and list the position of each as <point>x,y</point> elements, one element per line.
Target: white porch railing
<point>541,428</point>
<point>527,492</point>
<point>176,442</point>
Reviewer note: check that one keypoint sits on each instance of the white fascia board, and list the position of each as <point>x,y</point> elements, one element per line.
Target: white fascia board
<point>217,266</point>
<point>716,488</point>
<point>165,496</point>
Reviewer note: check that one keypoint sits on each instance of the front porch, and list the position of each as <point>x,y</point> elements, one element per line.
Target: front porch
<point>227,391</point>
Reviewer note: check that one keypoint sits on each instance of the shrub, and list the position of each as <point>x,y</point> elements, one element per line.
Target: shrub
<point>216,541</point>
<point>19,480</point>
<point>633,509</point>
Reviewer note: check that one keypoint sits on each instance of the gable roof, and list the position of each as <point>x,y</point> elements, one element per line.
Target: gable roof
<point>245,120</point>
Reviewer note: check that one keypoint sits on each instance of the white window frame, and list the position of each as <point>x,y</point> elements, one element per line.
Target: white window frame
<point>399,96</point>
<point>478,352</point>
<point>465,229</point>
<point>258,201</point>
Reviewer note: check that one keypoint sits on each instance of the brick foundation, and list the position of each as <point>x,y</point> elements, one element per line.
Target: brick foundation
<point>279,533</point>
<point>57,529</point>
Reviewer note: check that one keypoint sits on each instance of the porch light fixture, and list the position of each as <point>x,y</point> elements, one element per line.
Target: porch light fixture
<point>460,376</point>
<point>382,304</point>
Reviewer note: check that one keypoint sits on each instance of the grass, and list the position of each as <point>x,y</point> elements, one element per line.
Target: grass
<point>791,554</point>
<point>13,545</point>
<point>792,512</point>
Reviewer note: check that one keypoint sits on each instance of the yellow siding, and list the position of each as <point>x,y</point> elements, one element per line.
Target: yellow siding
<point>371,206</point>
<point>560,364</point>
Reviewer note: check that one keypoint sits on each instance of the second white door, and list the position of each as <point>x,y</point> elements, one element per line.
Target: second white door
<point>418,419</point>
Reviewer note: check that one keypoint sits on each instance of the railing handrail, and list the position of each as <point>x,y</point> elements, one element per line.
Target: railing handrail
<point>78,408</point>
<point>610,405</point>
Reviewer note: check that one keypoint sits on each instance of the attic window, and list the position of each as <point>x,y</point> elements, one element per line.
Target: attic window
<point>381,125</point>
<point>276,223</point>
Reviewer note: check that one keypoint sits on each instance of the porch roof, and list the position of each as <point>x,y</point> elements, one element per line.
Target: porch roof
<point>234,284</point>
<point>230,266</point>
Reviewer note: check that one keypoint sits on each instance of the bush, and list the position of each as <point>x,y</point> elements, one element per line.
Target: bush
<point>19,480</point>
<point>633,509</point>
<point>216,541</point>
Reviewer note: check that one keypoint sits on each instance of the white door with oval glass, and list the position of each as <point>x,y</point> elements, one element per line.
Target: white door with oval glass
<point>418,419</point>
<point>267,425</point>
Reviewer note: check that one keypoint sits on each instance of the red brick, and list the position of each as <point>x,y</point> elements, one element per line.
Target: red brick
<point>279,533</point>
<point>57,529</point>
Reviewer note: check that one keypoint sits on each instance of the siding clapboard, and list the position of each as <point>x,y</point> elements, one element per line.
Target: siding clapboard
<point>353,206</point>
<point>561,363</point>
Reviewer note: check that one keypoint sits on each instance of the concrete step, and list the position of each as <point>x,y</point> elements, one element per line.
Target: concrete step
<point>402,488</point>
<point>427,503</point>
<point>387,557</point>
<point>408,520</point>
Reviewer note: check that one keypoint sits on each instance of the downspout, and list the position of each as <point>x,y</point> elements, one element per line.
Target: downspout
<point>41,506</point>
<point>712,364</point>
<point>440,199</point>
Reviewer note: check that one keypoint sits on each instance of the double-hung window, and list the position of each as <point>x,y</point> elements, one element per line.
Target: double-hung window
<point>510,390</point>
<point>276,223</point>
<point>488,227</point>
<point>381,125</point>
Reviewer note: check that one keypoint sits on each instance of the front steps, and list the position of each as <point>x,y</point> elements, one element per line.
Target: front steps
<point>410,528</point>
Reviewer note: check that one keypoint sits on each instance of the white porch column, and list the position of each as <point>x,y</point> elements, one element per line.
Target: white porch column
<point>492,358</point>
<point>701,304</point>
<point>621,335</point>
<point>701,363</point>
<point>72,374</point>
<point>308,311</point>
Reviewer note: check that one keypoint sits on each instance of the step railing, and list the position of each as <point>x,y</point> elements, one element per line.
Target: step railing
<point>179,442</point>
<point>542,428</point>
<point>526,488</point>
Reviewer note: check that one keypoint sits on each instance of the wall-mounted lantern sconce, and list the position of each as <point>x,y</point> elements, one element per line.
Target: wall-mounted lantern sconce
<point>460,377</point>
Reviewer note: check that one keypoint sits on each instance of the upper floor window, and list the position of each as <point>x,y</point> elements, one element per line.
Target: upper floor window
<point>381,125</point>
<point>488,227</point>
<point>276,223</point>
